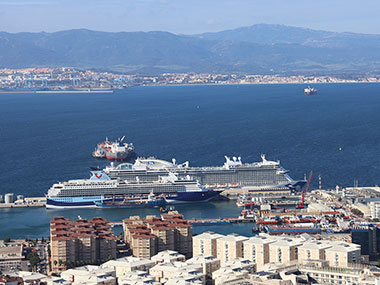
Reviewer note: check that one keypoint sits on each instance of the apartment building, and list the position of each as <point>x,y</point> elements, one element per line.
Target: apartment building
<point>80,241</point>
<point>342,254</point>
<point>313,250</point>
<point>284,250</point>
<point>205,244</point>
<point>256,249</point>
<point>230,247</point>
<point>148,236</point>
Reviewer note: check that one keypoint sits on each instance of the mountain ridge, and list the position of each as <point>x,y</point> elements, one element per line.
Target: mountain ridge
<point>260,49</point>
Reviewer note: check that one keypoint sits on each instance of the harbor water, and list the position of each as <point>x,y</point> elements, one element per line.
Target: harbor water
<point>47,138</point>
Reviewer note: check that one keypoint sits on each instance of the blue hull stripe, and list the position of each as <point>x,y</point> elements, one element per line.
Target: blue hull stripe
<point>184,197</point>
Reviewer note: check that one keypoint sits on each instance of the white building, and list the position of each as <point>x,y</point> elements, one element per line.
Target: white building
<point>256,249</point>
<point>209,264</point>
<point>128,264</point>
<point>375,209</point>
<point>90,274</point>
<point>342,254</point>
<point>167,256</point>
<point>228,275</point>
<point>137,278</point>
<point>230,247</point>
<point>284,250</point>
<point>205,244</point>
<point>164,272</point>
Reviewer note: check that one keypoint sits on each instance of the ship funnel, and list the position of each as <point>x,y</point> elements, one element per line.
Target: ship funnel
<point>174,161</point>
<point>99,175</point>
<point>234,158</point>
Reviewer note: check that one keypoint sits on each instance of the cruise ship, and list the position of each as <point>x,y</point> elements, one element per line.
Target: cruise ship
<point>100,187</point>
<point>264,175</point>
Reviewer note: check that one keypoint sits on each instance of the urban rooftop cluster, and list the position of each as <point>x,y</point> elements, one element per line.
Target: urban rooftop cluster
<point>225,259</point>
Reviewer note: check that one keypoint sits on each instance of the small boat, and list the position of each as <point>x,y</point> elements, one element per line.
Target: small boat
<point>151,201</point>
<point>166,209</point>
<point>98,153</point>
<point>310,91</point>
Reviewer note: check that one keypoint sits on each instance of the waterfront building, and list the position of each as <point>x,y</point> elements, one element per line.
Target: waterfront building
<point>163,232</point>
<point>143,245</point>
<point>205,244</point>
<point>183,234</point>
<point>167,256</point>
<point>230,247</point>
<point>90,274</point>
<point>146,237</point>
<point>124,266</point>
<point>80,241</point>
<point>256,249</point>
<point>342,254</point>
<point>284,250</point>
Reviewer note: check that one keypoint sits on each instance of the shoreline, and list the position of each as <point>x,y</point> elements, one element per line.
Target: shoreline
<point>110,91</point>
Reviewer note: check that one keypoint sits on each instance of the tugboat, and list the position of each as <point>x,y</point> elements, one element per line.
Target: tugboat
<point>310,91</point>
<point>117,150</point>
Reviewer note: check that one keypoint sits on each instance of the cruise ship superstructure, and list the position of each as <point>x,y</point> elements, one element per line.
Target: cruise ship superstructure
<point>234,173</point>
<point>101,188</point>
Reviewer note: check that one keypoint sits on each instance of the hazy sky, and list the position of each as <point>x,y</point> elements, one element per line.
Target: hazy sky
<point>187,16</point>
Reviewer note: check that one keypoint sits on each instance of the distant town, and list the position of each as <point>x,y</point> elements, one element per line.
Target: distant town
<point>61,79</point>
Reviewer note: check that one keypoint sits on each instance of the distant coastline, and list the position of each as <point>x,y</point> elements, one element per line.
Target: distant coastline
<point>110,91</point>
<point>73,80</point>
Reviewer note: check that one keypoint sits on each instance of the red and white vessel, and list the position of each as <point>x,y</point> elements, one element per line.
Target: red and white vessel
<point>117,150</point>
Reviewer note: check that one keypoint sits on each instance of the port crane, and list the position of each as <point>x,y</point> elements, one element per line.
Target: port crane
<point>301,205</point>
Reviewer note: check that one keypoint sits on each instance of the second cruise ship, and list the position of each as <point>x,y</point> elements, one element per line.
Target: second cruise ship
<point>263,175</point>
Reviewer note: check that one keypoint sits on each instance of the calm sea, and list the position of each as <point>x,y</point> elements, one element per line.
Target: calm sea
<point>49,137</point>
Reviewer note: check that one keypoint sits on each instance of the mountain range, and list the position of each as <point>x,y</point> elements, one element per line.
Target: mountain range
<point>258,49</point>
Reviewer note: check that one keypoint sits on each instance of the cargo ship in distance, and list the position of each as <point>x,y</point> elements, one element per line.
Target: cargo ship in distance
<point>118,150</point>
<point>255,177</point>
<point>85,193</point>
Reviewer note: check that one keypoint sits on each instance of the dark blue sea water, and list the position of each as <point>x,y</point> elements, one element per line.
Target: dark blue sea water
<point>46,138</point>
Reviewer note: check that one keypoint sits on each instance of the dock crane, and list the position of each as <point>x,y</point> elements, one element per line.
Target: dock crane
<point>301,205</point>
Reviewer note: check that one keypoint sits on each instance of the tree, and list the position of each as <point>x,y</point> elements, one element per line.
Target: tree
<point>55,262</point>
<point>7,239</point>
<point>34,260</point>
<point>357,212</point>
